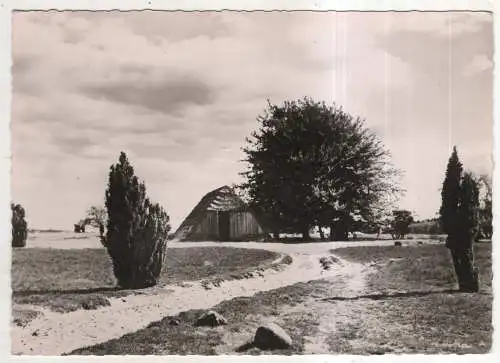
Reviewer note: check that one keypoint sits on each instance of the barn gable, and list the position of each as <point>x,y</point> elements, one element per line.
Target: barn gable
<point>220,215</point>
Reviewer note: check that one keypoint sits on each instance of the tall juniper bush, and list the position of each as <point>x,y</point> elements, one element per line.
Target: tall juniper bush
<point>459,217</point>
<point>19,226</point>
<point>137,229</point>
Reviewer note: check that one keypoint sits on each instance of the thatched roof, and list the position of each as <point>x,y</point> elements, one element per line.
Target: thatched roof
<point>220,199</point>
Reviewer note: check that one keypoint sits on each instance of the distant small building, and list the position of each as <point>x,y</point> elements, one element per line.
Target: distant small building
<point>220,216</point>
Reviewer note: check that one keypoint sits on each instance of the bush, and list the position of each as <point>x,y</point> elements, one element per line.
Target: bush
<point>137,229</point>
<point>19,226</point>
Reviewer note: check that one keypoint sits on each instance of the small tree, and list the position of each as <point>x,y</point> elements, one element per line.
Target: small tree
<point>485,208</point>
<point>19,226</point>
<point>97,217</point>
<point>459,218</point>
<point>137,229</point>
<point>401,223</point>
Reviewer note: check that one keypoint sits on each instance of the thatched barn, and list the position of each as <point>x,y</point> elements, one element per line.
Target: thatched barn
<point>220,216</point>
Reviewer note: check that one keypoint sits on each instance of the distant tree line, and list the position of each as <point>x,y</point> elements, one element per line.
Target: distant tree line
<point>427,226</point>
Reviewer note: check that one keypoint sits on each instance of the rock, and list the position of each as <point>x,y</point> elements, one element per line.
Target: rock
<point>271,336</point>
<point>211,318</point>
<point>328,262</point>
<point>420,243</point>
<point>398,243</point>
<point>206,285</point>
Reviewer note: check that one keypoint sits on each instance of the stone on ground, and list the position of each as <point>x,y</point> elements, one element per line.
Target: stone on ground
<point>211,318</point>
<point>271,336</point>
<point>328,262</point>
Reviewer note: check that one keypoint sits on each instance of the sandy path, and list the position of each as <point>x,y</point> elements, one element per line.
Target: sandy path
<point>58,333</point>
<point>333,319</point>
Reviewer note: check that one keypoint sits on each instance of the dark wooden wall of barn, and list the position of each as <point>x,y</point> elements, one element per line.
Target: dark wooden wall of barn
<point>242,226</point>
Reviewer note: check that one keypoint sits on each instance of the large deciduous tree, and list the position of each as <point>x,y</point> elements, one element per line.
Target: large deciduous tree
<point>459,215</point>
<point>136,236</point>
<point>315,165</point>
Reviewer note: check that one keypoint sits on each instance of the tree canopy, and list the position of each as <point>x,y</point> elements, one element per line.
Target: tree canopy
<point>401,223</point>
<point>311,164</point>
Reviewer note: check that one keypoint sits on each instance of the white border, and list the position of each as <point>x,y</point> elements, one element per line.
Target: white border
<point>5,100</point>
<point>355,5</point>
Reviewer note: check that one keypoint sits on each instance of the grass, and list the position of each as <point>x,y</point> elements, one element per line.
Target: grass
<point>416,267</point>
<point>447,320</point>
<point>424,316</point>
<point>68,280</point>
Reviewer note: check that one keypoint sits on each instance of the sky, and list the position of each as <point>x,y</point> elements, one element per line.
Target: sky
<point>180,91</point>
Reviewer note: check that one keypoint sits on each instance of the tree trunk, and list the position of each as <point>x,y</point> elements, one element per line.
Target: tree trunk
<point>339,232</point>
<point>340,235</point>
<point>466,271</point>
<point>101,230</point>
<point>332,232</point>
<point>321,234</point>
<point>305,234</point>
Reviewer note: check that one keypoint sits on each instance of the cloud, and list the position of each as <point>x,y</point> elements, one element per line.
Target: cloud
<point>167,94</point>
<point>480,63</point>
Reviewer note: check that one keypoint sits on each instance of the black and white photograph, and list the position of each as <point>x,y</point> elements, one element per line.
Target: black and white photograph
<point>251,182</point>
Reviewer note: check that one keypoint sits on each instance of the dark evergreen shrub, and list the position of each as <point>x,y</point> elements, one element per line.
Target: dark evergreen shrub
<point>459,215</point>
<point>19,226</point>
<point>137,229</point>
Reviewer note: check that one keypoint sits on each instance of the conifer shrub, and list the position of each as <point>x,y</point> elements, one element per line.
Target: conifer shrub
<point>459,216</point>
<point>137,229</point>
<point>19,226</point>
